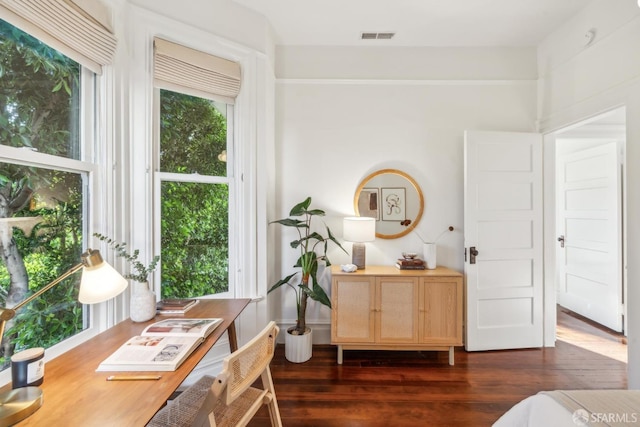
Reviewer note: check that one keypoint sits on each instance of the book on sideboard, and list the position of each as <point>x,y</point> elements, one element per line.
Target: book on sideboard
<point>162,346</point>
<point>410,264</point>
<point>409,267</point>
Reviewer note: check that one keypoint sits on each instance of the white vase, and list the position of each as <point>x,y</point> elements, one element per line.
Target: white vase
<point>298,348</point>
<point>143,303</point>
<point>430,252</point>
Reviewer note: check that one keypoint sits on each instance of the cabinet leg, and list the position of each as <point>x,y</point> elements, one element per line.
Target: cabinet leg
<point>451,357</point>
<point>339,355</point>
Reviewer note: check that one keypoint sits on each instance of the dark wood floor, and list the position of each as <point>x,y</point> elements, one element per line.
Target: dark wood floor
<point>404,389</point>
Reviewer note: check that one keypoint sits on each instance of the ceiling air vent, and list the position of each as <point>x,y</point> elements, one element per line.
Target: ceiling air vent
<point>377,36</point>
<point>386,36</point>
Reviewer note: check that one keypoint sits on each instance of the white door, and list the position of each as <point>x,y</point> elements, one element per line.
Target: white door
<point>590,234</point>
<point>503,226</point>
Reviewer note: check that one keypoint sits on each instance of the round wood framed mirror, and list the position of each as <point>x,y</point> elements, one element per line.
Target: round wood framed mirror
<point>393,198</point>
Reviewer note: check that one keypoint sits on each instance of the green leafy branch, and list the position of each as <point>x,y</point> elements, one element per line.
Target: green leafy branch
<point>139,272</point>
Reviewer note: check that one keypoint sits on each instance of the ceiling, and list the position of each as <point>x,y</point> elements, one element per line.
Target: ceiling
<point>415,22</point>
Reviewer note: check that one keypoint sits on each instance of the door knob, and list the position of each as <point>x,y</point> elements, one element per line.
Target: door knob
<point>561,240</point>
<point>473,253</point>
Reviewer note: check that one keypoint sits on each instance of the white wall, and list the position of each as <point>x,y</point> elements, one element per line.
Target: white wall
<point>221,17</point>
<point>578,82</point>
<point>333,130</point>
<point>405,63</point>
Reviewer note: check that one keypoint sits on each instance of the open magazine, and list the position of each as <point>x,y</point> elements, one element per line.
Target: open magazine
<point>162,346</point>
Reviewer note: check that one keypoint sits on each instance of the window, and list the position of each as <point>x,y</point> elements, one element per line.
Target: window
<point>194,195</point>
<point>196,92</point>
<point>47,111</point>
<point>42,189</point>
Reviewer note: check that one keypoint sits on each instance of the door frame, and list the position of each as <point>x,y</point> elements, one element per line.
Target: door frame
<point>549,228</point>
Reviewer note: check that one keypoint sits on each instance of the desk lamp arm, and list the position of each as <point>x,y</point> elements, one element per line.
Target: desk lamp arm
<point>90,258</point>
<point>7,314</point>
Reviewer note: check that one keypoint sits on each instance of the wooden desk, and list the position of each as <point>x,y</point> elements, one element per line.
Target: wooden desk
<point>76,395</point>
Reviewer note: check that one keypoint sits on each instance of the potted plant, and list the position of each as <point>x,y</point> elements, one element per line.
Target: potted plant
<point>143,300</point>
<point>312,249</point>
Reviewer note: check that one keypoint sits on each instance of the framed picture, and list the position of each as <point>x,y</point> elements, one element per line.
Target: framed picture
<point>369,203</point>
<point>393,204</point>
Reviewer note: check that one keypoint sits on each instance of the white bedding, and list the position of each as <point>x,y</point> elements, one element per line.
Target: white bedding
<point>538,410</point>
<point>570,408</point>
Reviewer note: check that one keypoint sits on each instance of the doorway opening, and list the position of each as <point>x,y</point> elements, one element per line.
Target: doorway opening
<point>589,234</point>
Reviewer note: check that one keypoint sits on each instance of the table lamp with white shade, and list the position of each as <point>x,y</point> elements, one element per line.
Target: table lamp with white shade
<point>359,230</point>
<point>100,282</point>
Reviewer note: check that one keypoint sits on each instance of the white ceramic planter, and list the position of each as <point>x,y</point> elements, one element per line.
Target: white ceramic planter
<point>143,303</point>
<point>430,252</point>
<point>298,348</point>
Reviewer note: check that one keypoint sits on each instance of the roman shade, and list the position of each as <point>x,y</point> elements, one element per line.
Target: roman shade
<point>185,70</point>
<point>66,27</point>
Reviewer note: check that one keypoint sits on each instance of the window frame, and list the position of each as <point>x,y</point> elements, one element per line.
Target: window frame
<point>229,180</point>
<point>91,201</point>
<point>254,151</point>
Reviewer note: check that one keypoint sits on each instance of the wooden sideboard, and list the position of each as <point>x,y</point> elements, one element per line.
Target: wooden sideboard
<point>384,308</point>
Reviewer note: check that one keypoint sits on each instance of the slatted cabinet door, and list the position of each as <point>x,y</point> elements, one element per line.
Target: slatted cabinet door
<point>397,309</point>
<point>440,302</point>
<point>355,322</point>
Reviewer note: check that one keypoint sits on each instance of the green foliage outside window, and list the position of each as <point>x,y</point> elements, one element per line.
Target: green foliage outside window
<point>39,100</point>
<point>195,216</point>
<point>194,239</point>
<point>39,96</point>
<point>54,245</point>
